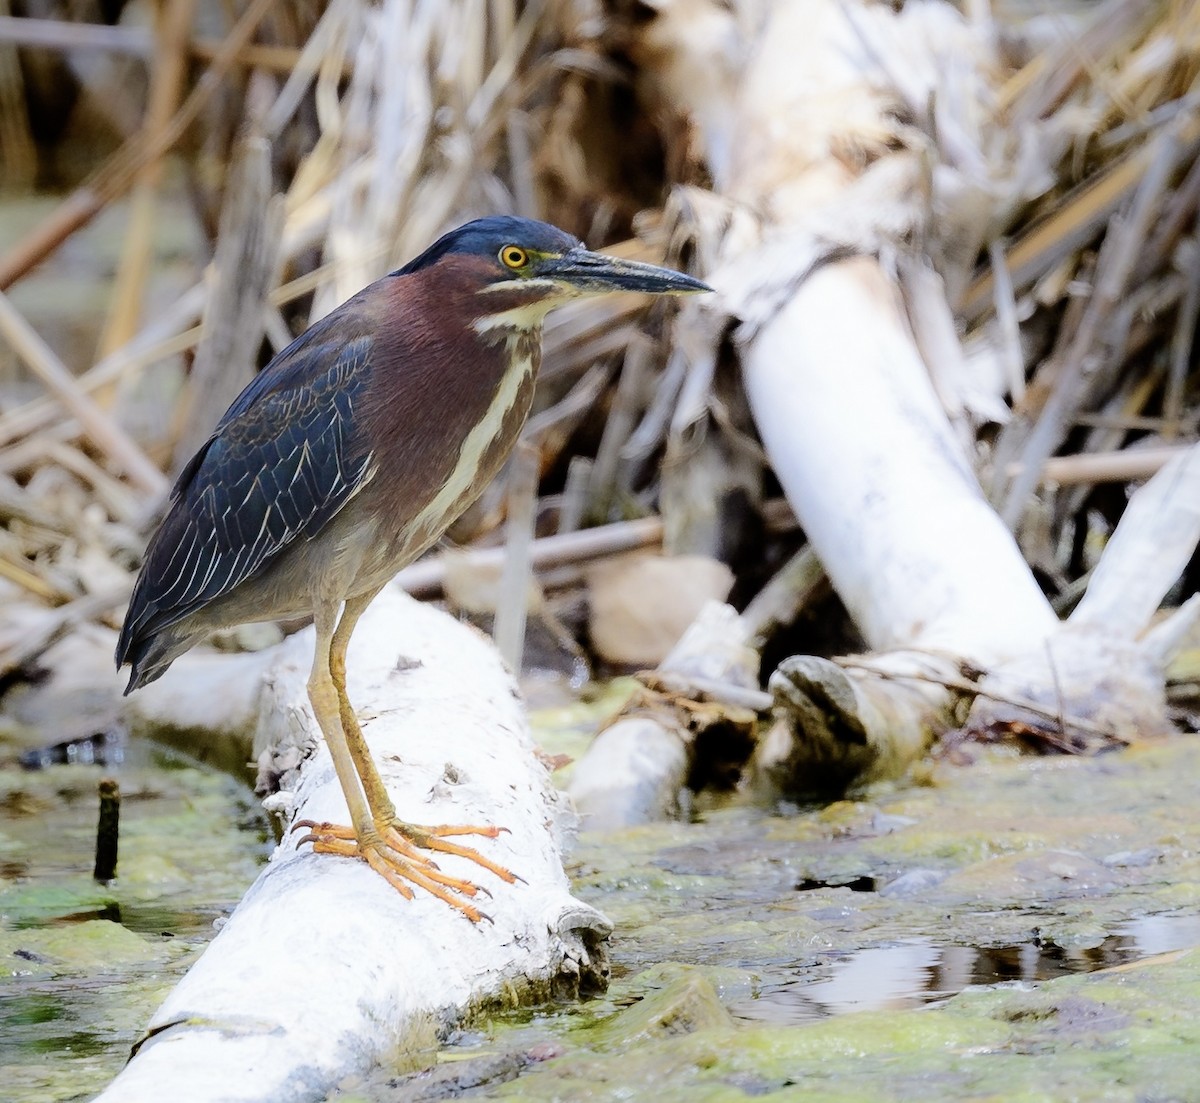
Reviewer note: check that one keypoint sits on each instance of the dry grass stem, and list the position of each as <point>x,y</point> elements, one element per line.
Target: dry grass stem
<point>1049,269</point>
<point>122,169</point>
<point>105,433</point>
<point>166,88</point>
<point>513,606</point>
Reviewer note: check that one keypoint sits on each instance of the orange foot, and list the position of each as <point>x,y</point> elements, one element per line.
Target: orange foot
<point>395,852</point>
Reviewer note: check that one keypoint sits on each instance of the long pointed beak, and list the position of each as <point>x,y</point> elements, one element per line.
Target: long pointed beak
<point>595,272</point>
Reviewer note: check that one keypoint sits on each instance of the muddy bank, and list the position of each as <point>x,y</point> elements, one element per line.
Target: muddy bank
<point>1016,928</point>
<point>1012,929</point>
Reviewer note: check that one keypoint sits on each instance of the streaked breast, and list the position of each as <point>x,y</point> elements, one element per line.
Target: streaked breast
<point>487,445</point>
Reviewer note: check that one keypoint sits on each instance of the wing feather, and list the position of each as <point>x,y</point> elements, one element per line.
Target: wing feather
<point>285,458</point>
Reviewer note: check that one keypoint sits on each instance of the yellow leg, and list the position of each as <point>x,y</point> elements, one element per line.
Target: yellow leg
<point>389,845</point>
<point>382,809</point>
<point>323,694</point>
<point>377,795</point>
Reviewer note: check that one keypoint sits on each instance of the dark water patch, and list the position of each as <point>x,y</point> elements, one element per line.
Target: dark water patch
<point>146,919</point>
<point>854,884</point>
<point>173,923</point>
<point>102,748</point>
<point>110,911</point>
<point>918,972</point>
<point>57,1018</point>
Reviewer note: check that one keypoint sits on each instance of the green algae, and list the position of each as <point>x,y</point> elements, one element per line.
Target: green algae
<point>809,955</point>
<point>82,965</point>
<point>567,730</point>
<point>57,950</point>
<point>678,1000</point>
<point>1034,869</point>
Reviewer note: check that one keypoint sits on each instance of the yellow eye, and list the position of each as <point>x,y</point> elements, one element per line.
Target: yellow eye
<point>513,256</point>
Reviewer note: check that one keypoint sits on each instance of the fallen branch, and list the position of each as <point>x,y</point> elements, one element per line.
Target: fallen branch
<point>424,579</point>
<point>378,971</point>
<point>858,402</point>
<point>118,174</point>
<point>103,431</point>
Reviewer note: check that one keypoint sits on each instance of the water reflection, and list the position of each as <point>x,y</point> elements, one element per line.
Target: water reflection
<point>921,971</point>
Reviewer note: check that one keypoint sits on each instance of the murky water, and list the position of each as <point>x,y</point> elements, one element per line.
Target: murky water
<point>921,971</point>
<point>999,882</point>
<point>926,942</point>
<point>82,965</point>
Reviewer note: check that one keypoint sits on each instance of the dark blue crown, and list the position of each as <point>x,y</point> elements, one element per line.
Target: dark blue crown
<point>485,237</point>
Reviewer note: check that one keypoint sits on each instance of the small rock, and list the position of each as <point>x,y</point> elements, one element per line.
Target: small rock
<point>885,823</point>
<point>642,604</point>
<point>689,1003</point>
<point>1135,859</point>
<point>913,883</point>
<point>545,1051</point>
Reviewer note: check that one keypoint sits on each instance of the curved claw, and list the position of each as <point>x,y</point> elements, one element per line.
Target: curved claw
<point>434,838</point>
<point>316,825</point>
<point>395,853</point>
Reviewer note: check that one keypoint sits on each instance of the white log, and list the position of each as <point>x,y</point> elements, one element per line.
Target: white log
<point>840,393</point>
<point>878,481</point>
<point>207,704</point>
<point>323,969</point>
<point>872,467</point>
<point>634,770</point>
<point>1148,551</point>
<point>1102,666</point>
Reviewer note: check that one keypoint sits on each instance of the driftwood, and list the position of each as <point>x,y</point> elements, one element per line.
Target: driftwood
<point>850,359</point>
<point>323,970</point>
<point>635,769</point>
<point>1106,665</point>
<point>863,160</point>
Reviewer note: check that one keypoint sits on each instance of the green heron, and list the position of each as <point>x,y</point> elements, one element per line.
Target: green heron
<point>341,462</point>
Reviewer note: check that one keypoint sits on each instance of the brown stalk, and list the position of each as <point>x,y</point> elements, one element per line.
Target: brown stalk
<point>1070,225</point>
<point>118,174</point>
<point>513,606</point>
<point>20,155</point>
<point>167,74</point>
<point>101,429</point>
<point>244,265</point>
<point>1114,266</point>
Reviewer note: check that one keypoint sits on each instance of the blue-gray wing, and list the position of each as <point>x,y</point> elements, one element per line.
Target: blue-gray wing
<point>285,458</point>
